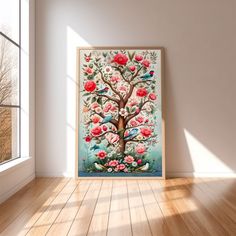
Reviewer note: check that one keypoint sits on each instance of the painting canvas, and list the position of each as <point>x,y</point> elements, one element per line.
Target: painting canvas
<point>120,119</point>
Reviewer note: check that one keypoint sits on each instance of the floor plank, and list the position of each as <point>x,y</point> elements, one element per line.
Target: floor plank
<point>47,218</point>
<point>65,206</point>
<point>66,217</point>
<point>119,219</point>
<point>139,222</point>
<point>98,226</point>
<point>83,218</point>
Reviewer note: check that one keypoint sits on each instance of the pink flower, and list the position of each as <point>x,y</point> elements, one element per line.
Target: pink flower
<point>101,154</point>
<point>126,133</point>
<point>132,68</point>
<point>107,107</point>
<point>115,79</point>
<point>129,159</point>
<point>146,63</point>
<point>120,59</point>
<point>94,105</point>
<point>133,123</point>
<point>112,138</point>
<point>139,161</point>
<point>141,92</point>
<point>146,132</point>
<point>152,96</point>
<point>95,119</point>
<point>90,86</point>
<point>113,163</point>
<point>96,131</point>
<point>89,71</point>
<point>87,139</point>
<point>125,170</point>
<point>104,128</point>
<point>133,102</point>
<point>120,167</point>
<point>137,110</point>
<point>113,108</point>
<point>122,88</point>
<point>140,119</point>
<point>140,148</point>
<point>138,57</point>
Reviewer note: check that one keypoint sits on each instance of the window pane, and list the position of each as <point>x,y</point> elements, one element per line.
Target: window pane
<point>9,133</point>
<point>9,73</point>
<point>9,18</point>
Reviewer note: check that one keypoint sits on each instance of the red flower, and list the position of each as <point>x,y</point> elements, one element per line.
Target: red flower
<point>141,92</point>
<point>140,148</point>
<point>104,127</point>
<point>138,57</point>
<point>120,59</point>
<point>101,154</point>
<point>140,119</point>
<point>139,161</point>
<point>95,119</point>
<point>146,132</point>
<point>96,131</point>
<point>87,139</point>
<point>87,59</point>
<point>132,68</point>
<point>152,96</point>
<point>146,63</point>
<point>90,86</point>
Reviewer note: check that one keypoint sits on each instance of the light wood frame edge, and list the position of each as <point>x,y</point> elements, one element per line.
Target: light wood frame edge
<point>78,106</point>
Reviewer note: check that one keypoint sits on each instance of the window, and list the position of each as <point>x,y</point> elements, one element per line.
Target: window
<point>10,61</point>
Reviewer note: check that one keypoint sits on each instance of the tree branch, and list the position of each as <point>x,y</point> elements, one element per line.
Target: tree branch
<point>140,141</point>
<point>121,73</point>
<point>128,118</point>
<point>101,135</point>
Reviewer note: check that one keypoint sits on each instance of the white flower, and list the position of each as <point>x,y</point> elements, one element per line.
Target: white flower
<point>139,137</point>
<point>109,170</point>
<point>107,70</point>
<point>98,109</point>
<point>123,112</point>
<point>134,163</point>
<point>109,154</point>
<point>148,108</point>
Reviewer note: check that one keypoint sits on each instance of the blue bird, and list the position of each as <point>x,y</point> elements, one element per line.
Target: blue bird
<point>95,147</point>
<point>106,119</point>
<point>102,91</point>
<point>131,134</point>
<point>147,75</point>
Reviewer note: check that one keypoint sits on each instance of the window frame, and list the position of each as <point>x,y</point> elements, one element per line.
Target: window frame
<point>18,107</point>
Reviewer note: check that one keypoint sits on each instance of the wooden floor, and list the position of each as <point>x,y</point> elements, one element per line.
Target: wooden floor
<point>56,206</point>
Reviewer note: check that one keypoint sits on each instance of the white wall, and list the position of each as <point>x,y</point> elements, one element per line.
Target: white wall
<point>15,174</point>
<point>200,60</point>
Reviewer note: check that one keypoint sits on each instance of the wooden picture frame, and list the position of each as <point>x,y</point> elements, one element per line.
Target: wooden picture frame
<point>88,68</point>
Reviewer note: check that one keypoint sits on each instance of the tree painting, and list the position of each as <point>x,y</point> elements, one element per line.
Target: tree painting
<point>120,112</point>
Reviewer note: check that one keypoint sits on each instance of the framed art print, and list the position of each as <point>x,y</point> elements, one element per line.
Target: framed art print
<point>120,125</point>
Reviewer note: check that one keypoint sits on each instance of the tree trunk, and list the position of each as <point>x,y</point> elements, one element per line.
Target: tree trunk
<point>121,123</point>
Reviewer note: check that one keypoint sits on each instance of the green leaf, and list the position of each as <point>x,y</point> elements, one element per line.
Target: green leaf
<point>86,94</point>
<point>93,100</point>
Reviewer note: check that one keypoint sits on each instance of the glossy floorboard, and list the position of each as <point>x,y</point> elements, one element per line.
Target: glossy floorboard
<point>178,207</point>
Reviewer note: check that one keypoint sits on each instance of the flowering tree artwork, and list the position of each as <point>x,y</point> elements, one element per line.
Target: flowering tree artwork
<point>120,116</point>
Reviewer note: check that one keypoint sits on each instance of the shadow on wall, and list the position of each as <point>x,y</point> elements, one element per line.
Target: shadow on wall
<point>199,82</point>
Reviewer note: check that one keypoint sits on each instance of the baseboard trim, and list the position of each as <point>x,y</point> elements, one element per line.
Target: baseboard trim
<point>16,188</point>
<point>201,174</point>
